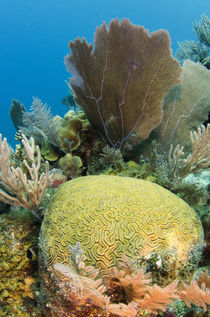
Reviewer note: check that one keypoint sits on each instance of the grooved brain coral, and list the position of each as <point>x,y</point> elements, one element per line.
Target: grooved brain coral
<point>111,216</point>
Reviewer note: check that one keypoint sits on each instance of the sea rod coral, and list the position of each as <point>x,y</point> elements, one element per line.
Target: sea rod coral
<point>18,189</point>
<point>197,161</point>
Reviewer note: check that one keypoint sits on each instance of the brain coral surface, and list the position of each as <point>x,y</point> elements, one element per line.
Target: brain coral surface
<point>111,216</point>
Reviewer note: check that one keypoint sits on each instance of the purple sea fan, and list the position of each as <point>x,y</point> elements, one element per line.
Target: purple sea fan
<point>121,84</point>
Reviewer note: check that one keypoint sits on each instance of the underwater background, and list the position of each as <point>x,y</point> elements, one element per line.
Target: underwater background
<point>105,192</point>
<point>34,38</point>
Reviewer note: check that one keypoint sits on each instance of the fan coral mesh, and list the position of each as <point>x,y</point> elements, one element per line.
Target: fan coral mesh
<point>122,83</point>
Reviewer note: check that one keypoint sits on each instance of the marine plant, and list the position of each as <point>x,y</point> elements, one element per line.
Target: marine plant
<point>202,30</point>
<point>192,50</point>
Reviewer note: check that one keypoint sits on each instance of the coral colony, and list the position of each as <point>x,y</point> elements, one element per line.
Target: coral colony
<point>105,211</point>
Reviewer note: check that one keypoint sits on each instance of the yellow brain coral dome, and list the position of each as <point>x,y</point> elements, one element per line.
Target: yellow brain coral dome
<point>111,216</point>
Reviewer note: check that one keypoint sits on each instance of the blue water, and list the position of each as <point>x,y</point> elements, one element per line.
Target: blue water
<point>34,38</point>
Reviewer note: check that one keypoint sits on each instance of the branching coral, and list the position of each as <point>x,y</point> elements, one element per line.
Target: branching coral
<point>195,162</point>
<point>18,189</point>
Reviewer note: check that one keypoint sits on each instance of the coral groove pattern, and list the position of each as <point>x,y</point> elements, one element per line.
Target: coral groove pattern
<point>111,216</point>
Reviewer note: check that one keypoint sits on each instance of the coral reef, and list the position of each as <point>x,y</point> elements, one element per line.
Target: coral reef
<point>109,158</point>
<point>49,152</point>
<point>70,134</point>
<point>192,50</point>
<point>154,166</point>
<point>71,165</point>
<point>128,291</point>
<point>115,244</point>
<point>20,189</point>
<point>56,178</point>
<point>18,234</point>
<point>111,216</point>
<point>122,83</point>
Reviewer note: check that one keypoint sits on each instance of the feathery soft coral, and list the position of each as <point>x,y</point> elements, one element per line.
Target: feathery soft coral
<point>196,292</point>
<point>157,298</point>
<point>129,291</point>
